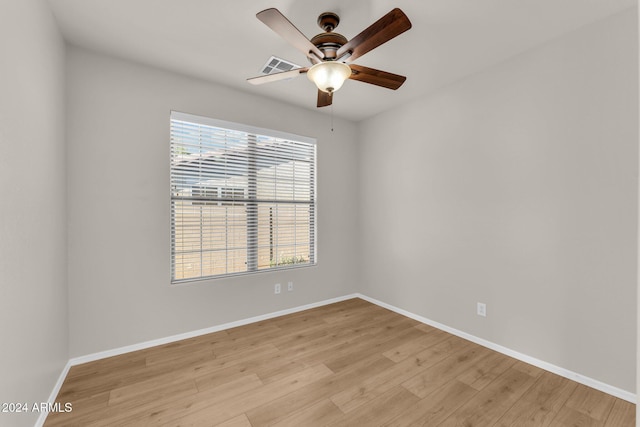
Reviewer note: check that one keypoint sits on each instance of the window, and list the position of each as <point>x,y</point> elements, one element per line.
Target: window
<point>242,199</point>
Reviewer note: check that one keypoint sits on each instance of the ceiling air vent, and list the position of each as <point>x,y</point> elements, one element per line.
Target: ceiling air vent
<point>278,65</point>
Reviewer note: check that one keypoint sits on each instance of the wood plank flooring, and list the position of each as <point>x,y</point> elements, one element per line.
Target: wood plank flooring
<point>346,364</point>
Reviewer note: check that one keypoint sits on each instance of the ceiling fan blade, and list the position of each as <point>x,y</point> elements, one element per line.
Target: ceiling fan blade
<point>277,76</point>
<point>324,98</point>
<point>275,20</point>
<point>376,77</point>
<point>384,29</point>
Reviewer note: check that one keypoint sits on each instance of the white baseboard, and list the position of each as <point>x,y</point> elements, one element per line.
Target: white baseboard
<point>54,394</point>
<point>160,341</point>
<point>590,382</point>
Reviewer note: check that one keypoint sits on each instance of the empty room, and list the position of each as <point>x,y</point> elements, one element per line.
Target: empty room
<point>297,213</point>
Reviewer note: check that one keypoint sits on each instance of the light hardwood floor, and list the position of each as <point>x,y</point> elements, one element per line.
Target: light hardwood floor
<point>346,364</point>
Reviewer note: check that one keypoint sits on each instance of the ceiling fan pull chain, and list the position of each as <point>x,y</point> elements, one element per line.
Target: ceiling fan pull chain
<point>332,117</point>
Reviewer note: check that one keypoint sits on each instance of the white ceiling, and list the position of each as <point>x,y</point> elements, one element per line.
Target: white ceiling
<point>223,41</point>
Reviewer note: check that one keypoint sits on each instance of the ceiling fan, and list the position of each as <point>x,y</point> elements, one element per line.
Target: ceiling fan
<point>331,53</point>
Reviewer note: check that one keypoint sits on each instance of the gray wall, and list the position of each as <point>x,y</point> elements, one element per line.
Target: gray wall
<point>638,280</point>
<point>516,187</point>
<point>118,166</point>
<point>33,294</point>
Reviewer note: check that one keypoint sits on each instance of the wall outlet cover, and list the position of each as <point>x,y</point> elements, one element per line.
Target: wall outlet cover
<point>482,309</point>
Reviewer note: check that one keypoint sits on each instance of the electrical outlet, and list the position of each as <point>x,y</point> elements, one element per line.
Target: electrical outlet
<point>482,309</point>
<point>276,289</point>
<point>290,286</point>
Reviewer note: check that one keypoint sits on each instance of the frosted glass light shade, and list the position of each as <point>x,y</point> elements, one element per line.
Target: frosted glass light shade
<point>329,76</point>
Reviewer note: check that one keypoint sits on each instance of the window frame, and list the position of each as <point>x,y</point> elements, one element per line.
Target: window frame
<point>252,133</point>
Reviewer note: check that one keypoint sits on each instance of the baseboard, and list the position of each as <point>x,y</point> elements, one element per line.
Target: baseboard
<point>54,393</point>
<point>160,341</point>
<point>579,378</point>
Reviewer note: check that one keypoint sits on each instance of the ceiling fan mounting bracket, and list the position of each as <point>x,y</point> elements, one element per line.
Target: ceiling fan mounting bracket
<point>328,21</point>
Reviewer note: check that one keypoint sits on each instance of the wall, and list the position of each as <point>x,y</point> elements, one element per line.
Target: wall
<point>638,276</point>
<point>33,295</point>
<point>118,166</point>
<point>516,187</point>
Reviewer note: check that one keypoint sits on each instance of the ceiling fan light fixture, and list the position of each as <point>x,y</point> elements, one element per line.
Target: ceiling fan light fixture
<point>329,75</point>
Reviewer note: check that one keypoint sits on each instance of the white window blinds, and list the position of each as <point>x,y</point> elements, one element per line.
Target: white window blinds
<point>242,199</point>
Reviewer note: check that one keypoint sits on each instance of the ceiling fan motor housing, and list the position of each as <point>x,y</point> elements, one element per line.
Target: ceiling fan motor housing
<point>329,43</point>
